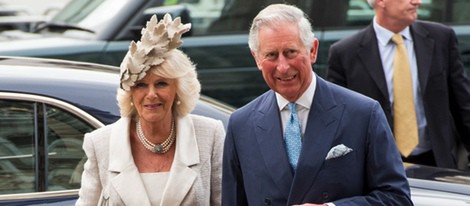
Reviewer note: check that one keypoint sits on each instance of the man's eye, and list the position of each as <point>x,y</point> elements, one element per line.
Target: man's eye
<point>291,53</point>
<point>271,56</point>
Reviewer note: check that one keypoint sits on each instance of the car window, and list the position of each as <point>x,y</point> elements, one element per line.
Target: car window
<point>40,147</point>
<point>203,12</point>
<point>452,12</point>
<point>17,135</point>
<point>76,11</point>
<point>64,146</point>
<point>234,16</point>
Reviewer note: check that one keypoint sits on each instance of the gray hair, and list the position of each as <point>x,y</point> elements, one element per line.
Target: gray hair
<point>177,65</point>
<point>275,14</point>
<point>371,3</point>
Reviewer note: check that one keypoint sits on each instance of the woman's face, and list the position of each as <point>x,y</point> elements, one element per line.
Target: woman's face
<point>153,98</point>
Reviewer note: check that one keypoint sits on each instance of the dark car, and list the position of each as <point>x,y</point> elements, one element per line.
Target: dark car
<point>100,31</point>
<point>23,16</point>
<point>46,106</point>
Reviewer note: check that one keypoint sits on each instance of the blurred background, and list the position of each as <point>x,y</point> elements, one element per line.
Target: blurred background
<point>31,7</point>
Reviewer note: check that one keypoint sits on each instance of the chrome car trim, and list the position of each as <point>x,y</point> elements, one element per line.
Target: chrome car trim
<point>463,189</point>
<point>223,107</point>
<point>61,104</point>
<point>23,156</point>
<point>36,195</point>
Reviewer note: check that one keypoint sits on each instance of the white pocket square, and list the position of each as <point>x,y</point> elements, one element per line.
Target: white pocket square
<point>338,151</point>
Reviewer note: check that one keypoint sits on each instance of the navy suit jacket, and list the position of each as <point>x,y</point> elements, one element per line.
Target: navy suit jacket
<point>355,63</point>
<point>256,170</point>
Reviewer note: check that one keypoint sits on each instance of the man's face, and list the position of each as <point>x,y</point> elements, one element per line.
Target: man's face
<point>283,59</point>
<point>403,12</point>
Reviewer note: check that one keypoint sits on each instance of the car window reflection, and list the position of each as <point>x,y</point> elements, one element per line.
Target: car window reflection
<point>17,133</point>
<point>65,138</point>
<point>23,132</point>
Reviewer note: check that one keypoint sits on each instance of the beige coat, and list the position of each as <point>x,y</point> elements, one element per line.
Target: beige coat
<point>111,177</point>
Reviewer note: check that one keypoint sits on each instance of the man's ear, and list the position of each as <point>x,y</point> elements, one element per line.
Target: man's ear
<point>314,51</point>
<point>379,3</point>
<point>258,63</point>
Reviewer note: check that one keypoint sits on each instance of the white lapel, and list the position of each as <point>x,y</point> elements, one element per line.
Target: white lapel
<point>182,176</point>
<point>123,174</point>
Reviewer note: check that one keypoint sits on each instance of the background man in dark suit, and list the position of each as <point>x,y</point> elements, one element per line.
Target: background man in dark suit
<point>441,92</point>
<point>344,154</point>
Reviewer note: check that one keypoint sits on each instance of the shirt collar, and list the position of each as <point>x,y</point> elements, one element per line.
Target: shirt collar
<point>384,35</point>
<point>305,99</point>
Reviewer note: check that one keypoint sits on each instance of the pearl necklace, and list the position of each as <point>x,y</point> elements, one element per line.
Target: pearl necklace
<point>157,148</point>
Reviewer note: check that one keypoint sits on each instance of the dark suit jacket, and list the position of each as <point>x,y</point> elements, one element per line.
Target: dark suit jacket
<point>256,170</point>
<point>355,63</point>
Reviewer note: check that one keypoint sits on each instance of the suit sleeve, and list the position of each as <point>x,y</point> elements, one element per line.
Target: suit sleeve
<point>90,190</point>
<point>233,191</point>
<point>459,90</point>
<point>335,71</point>
<point>216,179</point>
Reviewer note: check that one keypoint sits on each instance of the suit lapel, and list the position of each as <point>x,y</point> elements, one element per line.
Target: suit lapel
<point>126,180</point>
<point>322,124</point>
<point>124,176</point>
<point>271,143</point>
<point>424,48</point>
<point>369,55</point>
<point>182,175</point>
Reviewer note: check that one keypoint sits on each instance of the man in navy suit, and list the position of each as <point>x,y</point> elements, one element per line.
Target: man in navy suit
<point>347,155</point>
<point>441,90</point>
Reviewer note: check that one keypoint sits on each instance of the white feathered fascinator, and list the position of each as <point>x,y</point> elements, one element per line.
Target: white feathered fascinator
<point>158,38</point>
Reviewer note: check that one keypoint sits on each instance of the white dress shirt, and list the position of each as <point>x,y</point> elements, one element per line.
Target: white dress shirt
<point>387,52</point>
<point>303,106</point>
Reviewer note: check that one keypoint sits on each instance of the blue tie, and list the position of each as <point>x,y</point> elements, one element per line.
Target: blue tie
<point>293,137</point>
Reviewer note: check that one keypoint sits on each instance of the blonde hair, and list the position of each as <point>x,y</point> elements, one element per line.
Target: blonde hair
<point>177,65</point>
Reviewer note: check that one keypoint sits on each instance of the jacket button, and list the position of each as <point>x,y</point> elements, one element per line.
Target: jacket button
<point>325,195</point>
<point>267,201</point>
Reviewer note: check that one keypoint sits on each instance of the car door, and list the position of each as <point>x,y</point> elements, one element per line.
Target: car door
<point>40,146</point>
